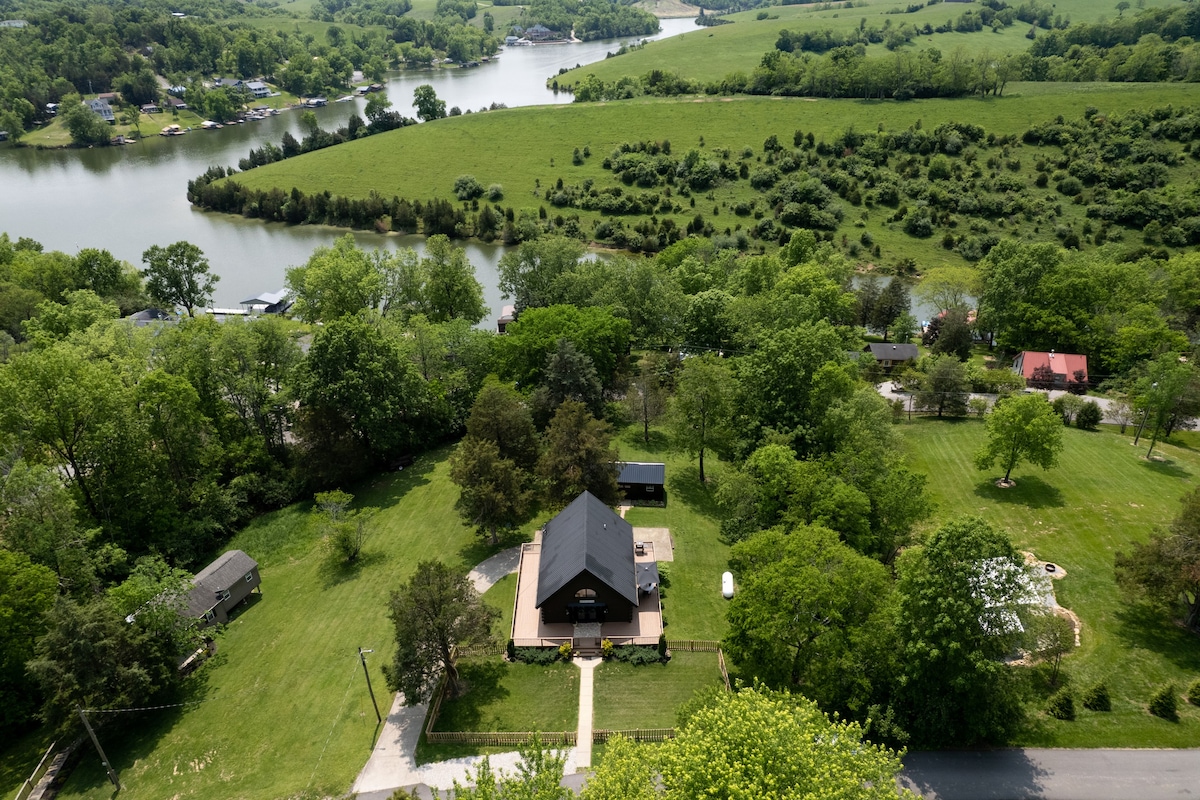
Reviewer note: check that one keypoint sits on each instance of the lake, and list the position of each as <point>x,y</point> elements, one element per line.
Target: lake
<point>125,199</point>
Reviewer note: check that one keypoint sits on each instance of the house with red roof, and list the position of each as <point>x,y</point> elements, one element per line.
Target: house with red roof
<point>1052,370</point>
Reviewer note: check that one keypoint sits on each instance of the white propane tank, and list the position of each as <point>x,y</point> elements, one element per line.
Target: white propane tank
<point>727,585</point>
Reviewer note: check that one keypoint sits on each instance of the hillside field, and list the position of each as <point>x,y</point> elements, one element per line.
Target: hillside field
<point>530,150</point>
<point>711,53</point>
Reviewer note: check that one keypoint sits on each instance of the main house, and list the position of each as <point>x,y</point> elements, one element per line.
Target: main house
<point>1052,370</point>
<point>221,586</point>
<point>889,355</point>
<point>587,571</point>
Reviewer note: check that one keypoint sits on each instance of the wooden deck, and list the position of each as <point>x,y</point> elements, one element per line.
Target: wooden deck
<point>529,631</point>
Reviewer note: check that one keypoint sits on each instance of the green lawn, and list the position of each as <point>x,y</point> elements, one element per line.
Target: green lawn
<point>647,696</point>
<point>692,604</point>
<point>283,706</point>
<point>514,697</point>
<point>710,54</point>
<point>1102,496</point>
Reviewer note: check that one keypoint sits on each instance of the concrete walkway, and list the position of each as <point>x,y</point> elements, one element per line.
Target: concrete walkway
<point>393,762</point>
<point>583,737</point>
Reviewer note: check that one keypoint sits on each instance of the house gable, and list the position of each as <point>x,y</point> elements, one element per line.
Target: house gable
<point>587,537</point>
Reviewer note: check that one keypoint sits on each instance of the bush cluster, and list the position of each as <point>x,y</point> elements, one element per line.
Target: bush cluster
<point>1096,698</point>
<point>1061,705</point>
<point>1163,703</point>
<point>637,655</point>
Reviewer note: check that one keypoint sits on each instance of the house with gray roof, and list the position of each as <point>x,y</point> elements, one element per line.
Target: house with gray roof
<point>587,572</point>
<point>221,586</point>
<point>889,355</point>
<point>100,107</point>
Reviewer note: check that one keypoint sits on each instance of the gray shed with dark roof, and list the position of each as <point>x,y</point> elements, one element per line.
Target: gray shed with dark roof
<point>221,585</point>
<point>642,481</point>
<point>586,571</point>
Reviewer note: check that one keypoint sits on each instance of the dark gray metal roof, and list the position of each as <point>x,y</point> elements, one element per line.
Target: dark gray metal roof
<point>218,576</point>
<point>587,536</point>
<point>885,351</point>
<point>642,472</point>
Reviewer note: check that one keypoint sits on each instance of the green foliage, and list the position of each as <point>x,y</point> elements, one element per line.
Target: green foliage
<point>702,408</point>
<point>435,612</point>
<point>1164,703</point>
<point>595,332</point>
<point>1193,692</point>
<point>91,658</point>
<point>492,490</point>
<point>944,387</point>
<point>1163,569</point>
<point>637,655</point>
<point>27,592</point>
<point>951,685</point>
<point>537,655</point>
<point>758,743</point>
<point>1061,705</point>
<point>427,104</point>
<point>626,773</point>
<point>467,188</point>
<point>345,531</point>
<point>1096,698</point>
<point>578,457</point>
<point>178,275</point>
<point>808,616</point>
<point>537,777</point>
<point>1021,428</point>
<point>565,651</point>
<point>1089,416</point>
<point>335,282</point>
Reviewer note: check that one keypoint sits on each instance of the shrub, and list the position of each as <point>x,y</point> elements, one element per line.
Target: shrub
<point>1193,693</point>
<point>606,648</point>
<point>636,655</point>
<point>511,650</point>
<point>1163,703</point>
<point>467,188</point>
<point>1088,417</point>
<point>1096,698</point>
<point>535,655</point>
<point>1061,705</point>
<point>564,651</point>
<point>495,192</point>
<point>662,654</point>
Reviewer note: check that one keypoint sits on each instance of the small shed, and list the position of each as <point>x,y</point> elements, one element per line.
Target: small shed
<point>642,482</point>
<point>587,570</point>
<point>221,586</point>
<point>508,315</point>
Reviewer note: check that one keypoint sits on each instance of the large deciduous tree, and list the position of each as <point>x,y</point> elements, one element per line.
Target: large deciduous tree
<point>958,597</point>
<point>802,616</point>
<point>451,290</point>
<point>500,416</point>
<point>178,275</point>
<point>578,456</point>
<point>702,409</point>
<point>1166,568</point>
<point>532,275</point>
<point>1021,428</point>
<point>569,375</point>
<point>336,282</point>
<point>533,338</point>
<point>756,744</point>
<point>436,612</point>
<point>427,104</point>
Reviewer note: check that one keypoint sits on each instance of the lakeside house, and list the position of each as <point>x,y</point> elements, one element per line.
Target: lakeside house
<point>176,104</point>
<point>889,355</point>
<point>508,315</point>
<point>269,302</point>
<point>102,109</point>
<point>221,586</point>
<point>1052,370</point>
<point>258,89</point>
<point>151,108</point>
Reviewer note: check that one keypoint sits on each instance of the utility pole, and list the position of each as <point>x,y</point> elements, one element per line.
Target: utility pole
<point>112,773</point>
<point>362,656</point>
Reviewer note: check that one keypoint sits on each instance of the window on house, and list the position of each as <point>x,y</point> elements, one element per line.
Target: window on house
<point>585,594</point>
<point>249,577</point>
<point>649,488</point>
<point>209,616</point>
<point>225,595</point>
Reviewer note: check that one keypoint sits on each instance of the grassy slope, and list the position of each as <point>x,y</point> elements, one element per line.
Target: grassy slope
<point>528,150</point>
<point>1101,497</point>
<point>709,54</point>
<point>285,706</point>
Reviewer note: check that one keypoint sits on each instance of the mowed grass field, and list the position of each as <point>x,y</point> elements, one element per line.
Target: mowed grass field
<point>1102,496</point>
<point>282,709</point>
<point>647,696</point>
<point>529,150</point>
<point>711,53</point>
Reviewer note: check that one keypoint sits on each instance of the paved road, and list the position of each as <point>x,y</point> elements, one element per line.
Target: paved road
<point>1054,775</point>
